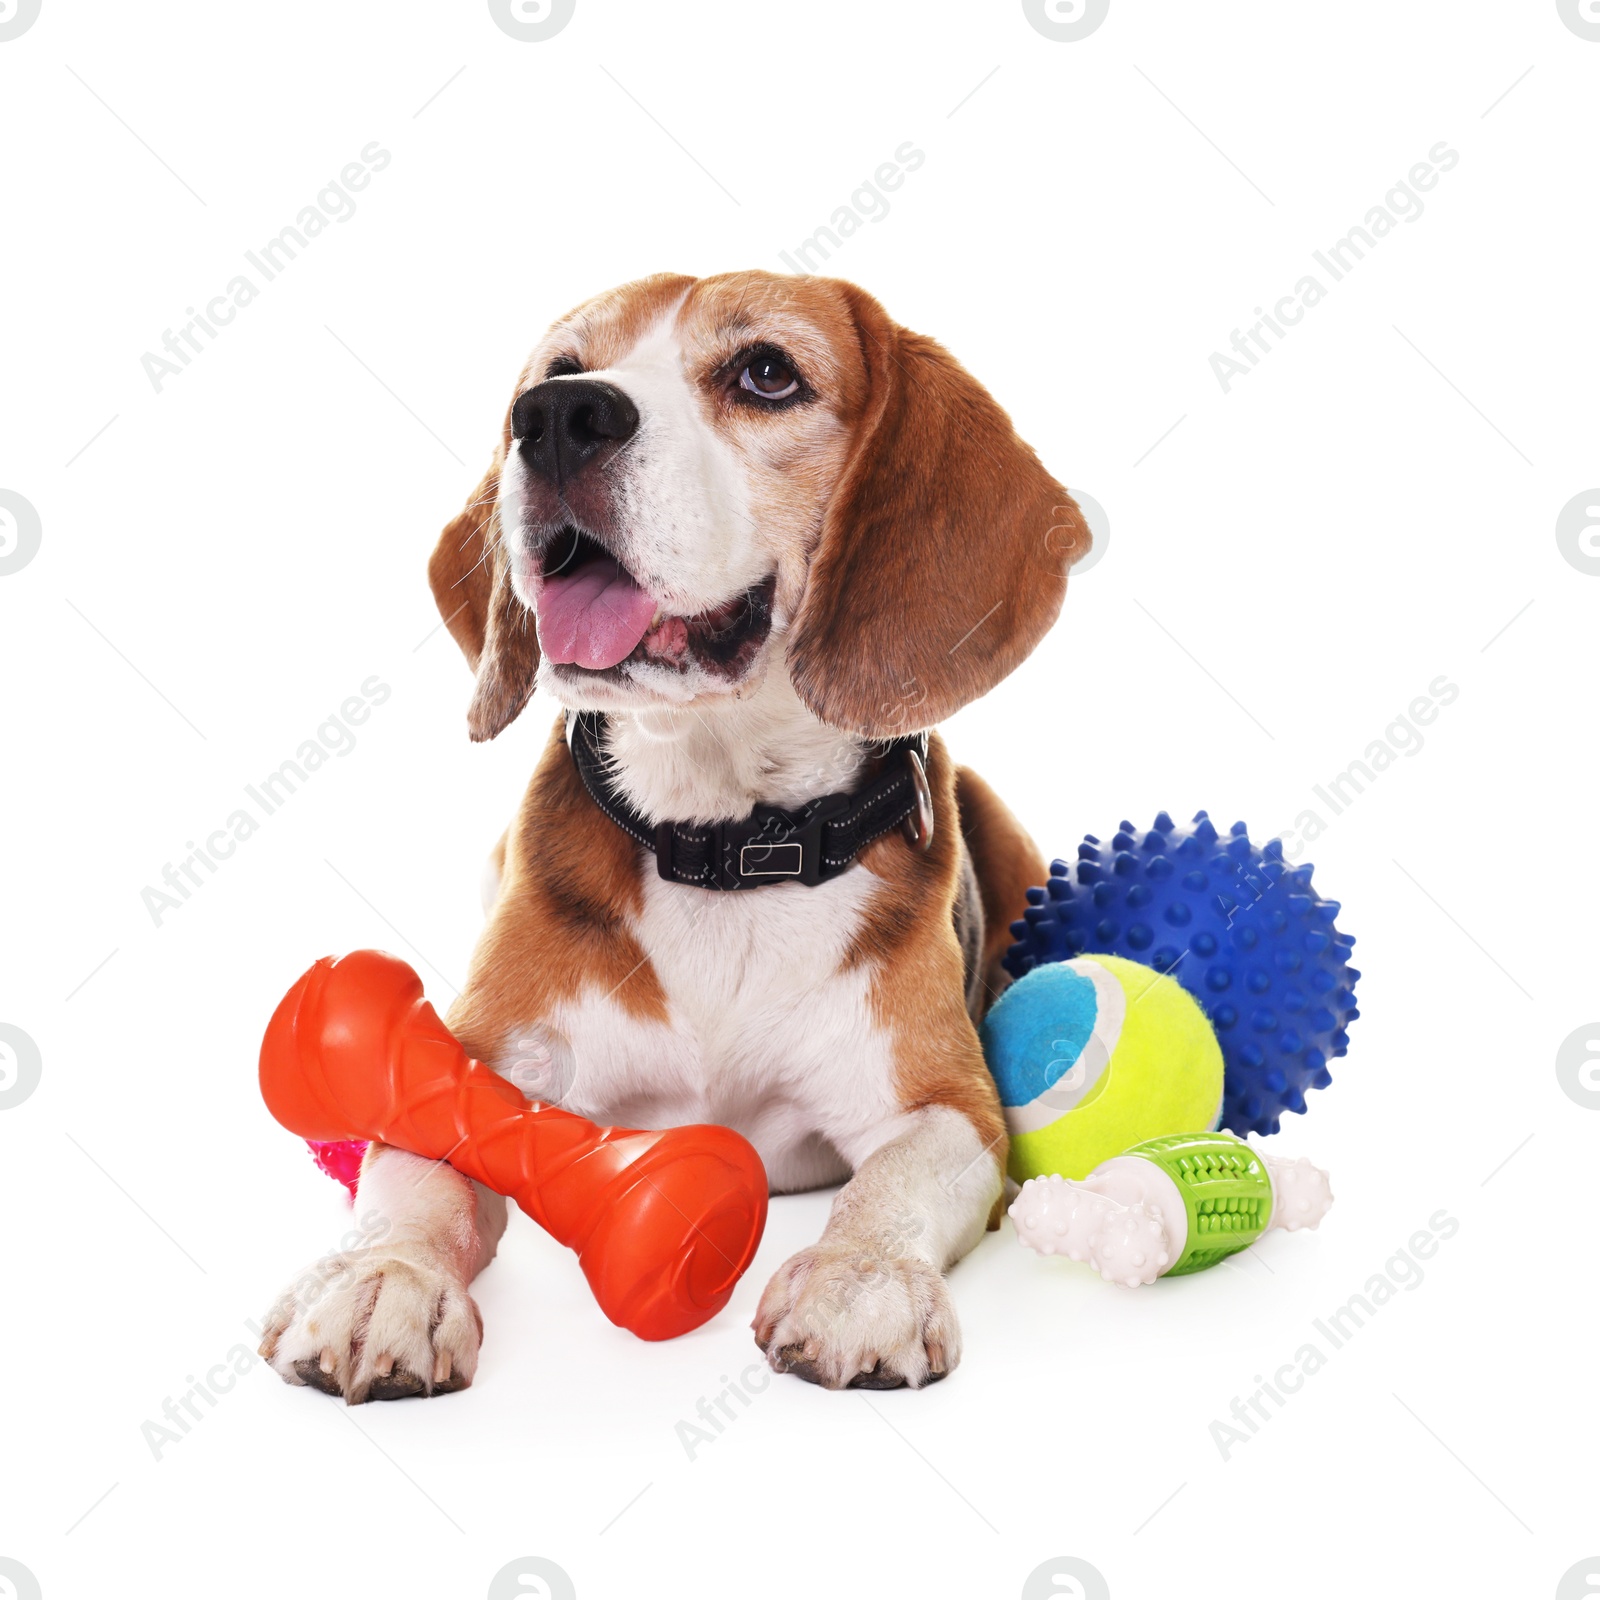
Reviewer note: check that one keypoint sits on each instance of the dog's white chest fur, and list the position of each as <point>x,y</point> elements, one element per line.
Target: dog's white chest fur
<point>767,1031</point>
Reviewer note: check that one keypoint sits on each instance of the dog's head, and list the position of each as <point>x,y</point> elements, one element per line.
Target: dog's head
<point>700,481</point>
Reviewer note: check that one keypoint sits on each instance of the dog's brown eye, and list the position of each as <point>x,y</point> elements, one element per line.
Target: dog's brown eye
<point>563,367</point>
<point>771,377</point>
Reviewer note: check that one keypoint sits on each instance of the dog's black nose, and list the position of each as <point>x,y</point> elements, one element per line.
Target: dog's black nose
<point>563,424</point>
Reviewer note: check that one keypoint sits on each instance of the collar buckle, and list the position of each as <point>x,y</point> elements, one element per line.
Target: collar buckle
<point>775,846</point>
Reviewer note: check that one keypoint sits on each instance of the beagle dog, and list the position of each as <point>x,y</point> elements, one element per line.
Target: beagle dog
<point>756,538</point>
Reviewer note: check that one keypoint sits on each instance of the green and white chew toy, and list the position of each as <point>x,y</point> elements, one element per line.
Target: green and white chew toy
<point>1169,1206</point>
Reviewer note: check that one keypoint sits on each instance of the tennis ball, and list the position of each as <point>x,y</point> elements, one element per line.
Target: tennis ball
<point>1094,1056</point>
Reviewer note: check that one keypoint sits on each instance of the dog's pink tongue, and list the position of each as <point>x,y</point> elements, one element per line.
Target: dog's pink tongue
<point>594,616</point>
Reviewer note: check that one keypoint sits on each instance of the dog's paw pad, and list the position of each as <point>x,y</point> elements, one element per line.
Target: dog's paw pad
<point>309,1372</point>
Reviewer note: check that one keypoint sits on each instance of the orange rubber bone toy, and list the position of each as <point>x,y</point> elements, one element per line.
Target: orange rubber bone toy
<point>663,1223</point>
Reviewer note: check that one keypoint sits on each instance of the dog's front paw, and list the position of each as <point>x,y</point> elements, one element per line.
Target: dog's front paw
<point>375,1326</point>
<point>850,1318</point>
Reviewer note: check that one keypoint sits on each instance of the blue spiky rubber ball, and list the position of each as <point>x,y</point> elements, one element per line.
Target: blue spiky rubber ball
<point>1239,927</point>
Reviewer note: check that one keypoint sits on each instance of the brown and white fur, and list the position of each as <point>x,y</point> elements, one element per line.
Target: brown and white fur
<point>917,551</point>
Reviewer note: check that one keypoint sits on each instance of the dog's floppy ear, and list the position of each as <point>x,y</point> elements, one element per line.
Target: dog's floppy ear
<point>944,551</point>
<point>471,583</point>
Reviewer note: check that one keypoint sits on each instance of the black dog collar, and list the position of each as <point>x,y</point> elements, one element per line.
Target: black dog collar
<point>810,845</point>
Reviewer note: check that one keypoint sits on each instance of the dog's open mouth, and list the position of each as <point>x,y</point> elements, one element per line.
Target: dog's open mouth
<point>594,614</point>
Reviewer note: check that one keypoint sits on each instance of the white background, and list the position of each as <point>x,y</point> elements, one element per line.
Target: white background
<point>1372,507</point>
